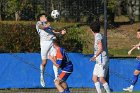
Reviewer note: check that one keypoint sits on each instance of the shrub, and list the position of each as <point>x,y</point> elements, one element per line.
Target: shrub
<point>22,37</point>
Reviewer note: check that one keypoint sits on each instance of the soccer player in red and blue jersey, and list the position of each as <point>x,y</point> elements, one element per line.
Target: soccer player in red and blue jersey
<point>61,61</point>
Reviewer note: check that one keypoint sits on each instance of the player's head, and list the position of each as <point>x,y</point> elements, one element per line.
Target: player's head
<point>95,27</point>
<point>42,17</point>
<point>56,43</point>
<point>138,33</point>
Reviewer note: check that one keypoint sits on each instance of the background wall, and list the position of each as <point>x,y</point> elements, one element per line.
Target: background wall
<point>21,70</point>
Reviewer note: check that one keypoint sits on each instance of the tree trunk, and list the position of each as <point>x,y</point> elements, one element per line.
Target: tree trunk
<point>139,10</point>
<point>118,8</point>
<point>0,16</point>
<point>52,5</point>
<point>17,15</point>
<point>131,10</point>
<point>0,10</point>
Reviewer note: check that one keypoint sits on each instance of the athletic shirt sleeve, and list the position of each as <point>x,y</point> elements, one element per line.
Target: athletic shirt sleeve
<point>98,38</point>
<point>45,34</point>
<point>37,26</point>
<point>59,57</point>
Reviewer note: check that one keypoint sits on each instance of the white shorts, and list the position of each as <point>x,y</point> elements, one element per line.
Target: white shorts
<point>46,48</point>
<point>100,70</point>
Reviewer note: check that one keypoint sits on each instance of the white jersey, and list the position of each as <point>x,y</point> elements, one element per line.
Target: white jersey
<point>102,58</point>
<point>44,35</point>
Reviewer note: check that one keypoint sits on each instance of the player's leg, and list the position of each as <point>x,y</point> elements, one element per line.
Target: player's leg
<point>65,87</point>
<point>55,69</point>
<point>52,52</point>
<point>95,79</point>
<point>134,79</point>
<point>45,47</point>
<point>58,86</point>
<point>102,73</point>
<point>64,83</point>
<point>105,84</point>
<point>42,67</point>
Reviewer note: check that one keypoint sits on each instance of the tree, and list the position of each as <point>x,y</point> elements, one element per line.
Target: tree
<point>111,7</point>
<point>131,9</point>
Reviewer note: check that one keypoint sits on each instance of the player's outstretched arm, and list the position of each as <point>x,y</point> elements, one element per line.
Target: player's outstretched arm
<point>135,46</point>
<point>62,32</point>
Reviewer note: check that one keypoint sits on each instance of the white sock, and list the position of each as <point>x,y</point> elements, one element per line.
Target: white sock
<point>55,69</point>
<point>106,87</point>
<point>97,85</point>
<point>131,86</point>
<point>41,70</point>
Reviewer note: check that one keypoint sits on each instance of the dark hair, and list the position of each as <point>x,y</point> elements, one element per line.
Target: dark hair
<point>56,42</point>
<point>95,26</point>
<point>138,30</point>
<point>40,15</point>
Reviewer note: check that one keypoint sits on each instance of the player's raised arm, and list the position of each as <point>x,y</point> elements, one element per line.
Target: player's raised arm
<point>62,32</point>
<point>135,46</point>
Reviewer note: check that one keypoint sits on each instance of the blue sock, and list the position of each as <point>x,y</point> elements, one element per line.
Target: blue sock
<point>134,79</point>
<point>67,90</point>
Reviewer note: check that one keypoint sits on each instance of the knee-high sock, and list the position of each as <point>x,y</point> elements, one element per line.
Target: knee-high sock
<point>55,69</point>
<point>97,85</point>
<point>41,70</point>
<point>134,80</point>
<point>106,87</point>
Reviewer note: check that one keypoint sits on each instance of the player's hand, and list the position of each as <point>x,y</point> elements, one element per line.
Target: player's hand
<point>63,32</point>
<point>93,59</point>
<point>129,52</point>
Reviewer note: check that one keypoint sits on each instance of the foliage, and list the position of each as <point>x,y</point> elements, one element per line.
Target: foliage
<point>22,37</point>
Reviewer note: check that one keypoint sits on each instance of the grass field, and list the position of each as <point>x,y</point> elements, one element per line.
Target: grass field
<point>73,90</point>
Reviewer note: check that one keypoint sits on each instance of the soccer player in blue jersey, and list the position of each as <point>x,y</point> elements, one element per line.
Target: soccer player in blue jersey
<point>46,34</point>
<point>101,58</point>
<point>61,61</point>
<point>137,69</point>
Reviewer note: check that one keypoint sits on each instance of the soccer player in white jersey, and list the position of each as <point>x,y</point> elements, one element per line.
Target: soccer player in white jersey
<point>46,33</point>
<point>100,57</point>
<point>137,69</point>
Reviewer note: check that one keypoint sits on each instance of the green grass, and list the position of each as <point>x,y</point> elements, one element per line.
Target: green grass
<point>73,90</point>
<point>127,92</point>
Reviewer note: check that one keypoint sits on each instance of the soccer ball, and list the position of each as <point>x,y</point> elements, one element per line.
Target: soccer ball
<point>55,14</point>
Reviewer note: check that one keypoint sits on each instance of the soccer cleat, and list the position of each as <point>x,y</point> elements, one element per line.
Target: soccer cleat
<point>128,89</point>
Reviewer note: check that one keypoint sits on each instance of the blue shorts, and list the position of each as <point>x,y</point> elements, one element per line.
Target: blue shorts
<point>64,76</point>
<point>138,66</point>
